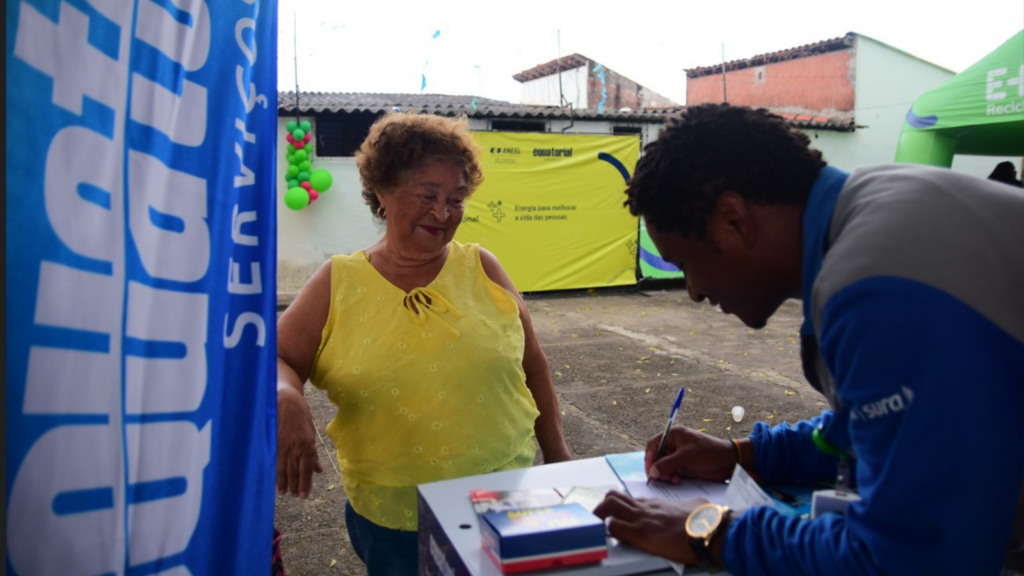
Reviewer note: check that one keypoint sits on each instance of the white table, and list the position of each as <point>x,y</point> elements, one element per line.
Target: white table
<point>449,533</point>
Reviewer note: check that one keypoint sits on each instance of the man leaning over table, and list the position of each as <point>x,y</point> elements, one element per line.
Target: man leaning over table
<point>912,282</point>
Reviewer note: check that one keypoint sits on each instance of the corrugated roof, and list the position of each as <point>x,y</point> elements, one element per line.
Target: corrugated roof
<point>557,65</point>
<point>804,51</point>
<point>450,105</point>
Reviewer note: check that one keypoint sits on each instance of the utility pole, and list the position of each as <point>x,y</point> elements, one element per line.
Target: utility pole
<point>558,57</point>
<point>725,96</point>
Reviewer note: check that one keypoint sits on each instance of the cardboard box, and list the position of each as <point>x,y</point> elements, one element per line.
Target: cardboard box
<point>538,538</point>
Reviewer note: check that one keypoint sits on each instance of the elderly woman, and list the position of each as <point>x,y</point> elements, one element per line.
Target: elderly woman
<point>422,343</point>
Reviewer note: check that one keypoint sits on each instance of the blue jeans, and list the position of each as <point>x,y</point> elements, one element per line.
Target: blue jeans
<point>385,551</point>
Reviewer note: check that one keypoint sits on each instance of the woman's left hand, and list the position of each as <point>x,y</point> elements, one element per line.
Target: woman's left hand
<point>557,453</point>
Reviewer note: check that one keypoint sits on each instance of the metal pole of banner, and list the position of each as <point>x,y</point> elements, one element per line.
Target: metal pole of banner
<point>295,45</point>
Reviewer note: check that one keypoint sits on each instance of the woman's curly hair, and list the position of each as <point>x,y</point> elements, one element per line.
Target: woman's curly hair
<point>401,142</point>
<point>712,148</point>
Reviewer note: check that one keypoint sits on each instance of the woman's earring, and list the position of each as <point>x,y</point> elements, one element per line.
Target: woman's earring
<point>380,212</point>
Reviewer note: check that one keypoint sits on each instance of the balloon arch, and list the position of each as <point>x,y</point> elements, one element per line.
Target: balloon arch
<point>304,184</point>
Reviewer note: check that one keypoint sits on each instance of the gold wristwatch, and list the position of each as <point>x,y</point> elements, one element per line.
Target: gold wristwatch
<point>701,526</point>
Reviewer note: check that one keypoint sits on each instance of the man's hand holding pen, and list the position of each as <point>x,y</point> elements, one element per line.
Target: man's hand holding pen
<point>659,526</point>
<point>664,435</point>
<point>690,454</point>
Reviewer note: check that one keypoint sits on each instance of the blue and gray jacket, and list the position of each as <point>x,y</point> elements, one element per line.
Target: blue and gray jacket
<point>913,295</point>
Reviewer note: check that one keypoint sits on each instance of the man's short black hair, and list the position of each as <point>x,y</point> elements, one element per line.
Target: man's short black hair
<point>712,148</point>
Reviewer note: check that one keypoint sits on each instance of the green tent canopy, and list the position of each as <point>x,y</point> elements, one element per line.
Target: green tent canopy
<point>977,112</point>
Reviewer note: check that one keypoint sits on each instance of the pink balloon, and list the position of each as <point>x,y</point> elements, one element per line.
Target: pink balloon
<point>313,194</point>
<point>306,185</point>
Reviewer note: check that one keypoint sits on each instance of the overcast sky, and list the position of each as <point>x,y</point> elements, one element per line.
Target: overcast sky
<point>388,46</point>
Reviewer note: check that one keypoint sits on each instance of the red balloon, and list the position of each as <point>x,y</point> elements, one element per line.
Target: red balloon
<point>309,136</point>
<point>291,139</point>
<point>306,185</point>
<point>313,194</point>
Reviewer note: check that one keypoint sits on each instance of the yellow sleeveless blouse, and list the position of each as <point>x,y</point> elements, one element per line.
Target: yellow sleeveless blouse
<point>429,384</point>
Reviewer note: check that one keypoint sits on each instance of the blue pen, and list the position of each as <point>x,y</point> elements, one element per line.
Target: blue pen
<point>671,421</point>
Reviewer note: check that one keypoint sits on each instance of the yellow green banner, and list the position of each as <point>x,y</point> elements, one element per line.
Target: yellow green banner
<point>550,208</point>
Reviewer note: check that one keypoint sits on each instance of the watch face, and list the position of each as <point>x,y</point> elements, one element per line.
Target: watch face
<point>703,521</point>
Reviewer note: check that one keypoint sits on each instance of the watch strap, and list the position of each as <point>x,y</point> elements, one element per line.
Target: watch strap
<point>700,550</point>
<point>701,547</point>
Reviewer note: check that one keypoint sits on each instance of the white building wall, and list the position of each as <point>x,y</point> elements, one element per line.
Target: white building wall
<point>886,83</point>
<point>648,131</point>
<point>650,134</point>
<point>337,223</point>
<point>544,91</point>
<point>838,148</point>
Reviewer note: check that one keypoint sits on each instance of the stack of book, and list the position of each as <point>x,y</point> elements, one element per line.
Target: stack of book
<point>527,530</point>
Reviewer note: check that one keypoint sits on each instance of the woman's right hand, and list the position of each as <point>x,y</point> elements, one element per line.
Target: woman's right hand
<point>690,454</point>
<point>298,338</point>
<point>297,456</point>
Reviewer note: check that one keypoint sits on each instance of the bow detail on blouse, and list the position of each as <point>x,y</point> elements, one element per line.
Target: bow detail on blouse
<point>423,302</point>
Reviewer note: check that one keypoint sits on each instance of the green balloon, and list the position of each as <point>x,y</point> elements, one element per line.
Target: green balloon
<point>294,182</point>
<point>296,198</point>
<point>292,171</point>
<point>299,134</point>
<point>303,176</point>
<point>291,148</point>
<point>291,126</point>
<point>305,166</point>
<point>290,157</point>
<point>308,147</point>
<point>321,180</point>
<point>300,155</point>
<point>305,126</point>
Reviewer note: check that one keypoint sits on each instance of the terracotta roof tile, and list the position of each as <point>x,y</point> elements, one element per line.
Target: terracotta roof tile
<point>448,105</point>
<point>804,51</point>
<point>547,69</point>
<point>839,124</point>
<point>452,105</point>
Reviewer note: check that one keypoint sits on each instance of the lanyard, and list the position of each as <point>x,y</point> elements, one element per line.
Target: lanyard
<point>843,473</point>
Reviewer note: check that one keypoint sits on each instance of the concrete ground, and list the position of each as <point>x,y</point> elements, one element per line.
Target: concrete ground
<point>618,359</point>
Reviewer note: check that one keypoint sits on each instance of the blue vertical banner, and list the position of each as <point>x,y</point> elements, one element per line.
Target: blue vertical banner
<point>141,307</point>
